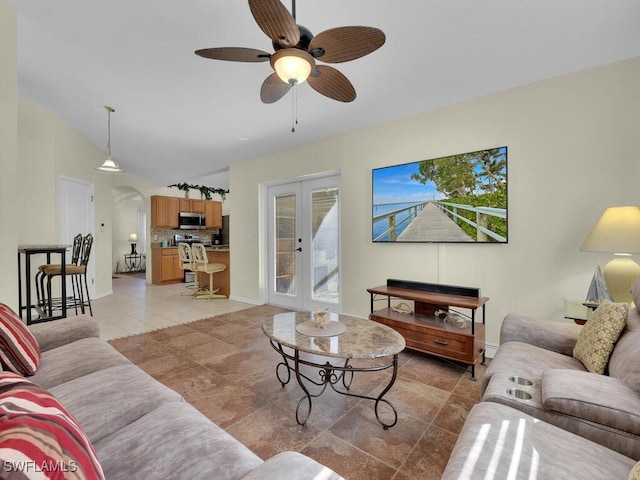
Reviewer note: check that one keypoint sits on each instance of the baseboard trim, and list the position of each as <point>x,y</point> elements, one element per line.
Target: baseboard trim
<point>490,350</point>
<point>103,294</point>
<point>246,300</point>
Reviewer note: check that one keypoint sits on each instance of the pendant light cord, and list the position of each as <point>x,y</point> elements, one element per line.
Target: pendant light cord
<point>108,132</point>
<point>109,110</point>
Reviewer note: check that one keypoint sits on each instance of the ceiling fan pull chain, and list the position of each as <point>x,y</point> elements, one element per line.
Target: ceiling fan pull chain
<point>294,108</point>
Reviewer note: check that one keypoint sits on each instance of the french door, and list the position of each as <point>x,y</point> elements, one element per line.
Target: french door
<point>304,244</point>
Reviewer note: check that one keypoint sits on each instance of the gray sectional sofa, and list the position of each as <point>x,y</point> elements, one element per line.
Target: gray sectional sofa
<point>138,427</point>
<point>543,413</point>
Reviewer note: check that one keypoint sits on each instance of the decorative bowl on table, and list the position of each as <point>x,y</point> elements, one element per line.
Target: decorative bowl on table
<point>321,318</point>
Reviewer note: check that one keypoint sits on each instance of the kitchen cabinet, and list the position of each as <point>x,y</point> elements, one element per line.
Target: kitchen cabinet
<point>213,212</point>
<point>191,205</point>
<point>164,211</point>
<point>166,266</point>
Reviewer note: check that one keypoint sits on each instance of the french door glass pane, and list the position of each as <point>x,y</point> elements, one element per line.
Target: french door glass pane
<point>324,255</point>
<point>285,230</point>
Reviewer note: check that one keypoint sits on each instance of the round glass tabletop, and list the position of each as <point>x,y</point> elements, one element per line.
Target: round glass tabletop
<point>362,338</point>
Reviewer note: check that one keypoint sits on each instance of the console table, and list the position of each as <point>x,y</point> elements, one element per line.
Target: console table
<point>134,262</point>
<point>425,330</point>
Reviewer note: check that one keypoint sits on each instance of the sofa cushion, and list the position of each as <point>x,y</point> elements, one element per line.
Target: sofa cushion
<point>76,359</point>
<point>599,335</point>
<point>291,466</point>
<point>122,394</point>
<point>19,351</point>
<point>174,441</point>
<point>624,363</point>
<point>38,435</point>
<point>497,441</point>
<point>50,335</point>
<point>599,399</point>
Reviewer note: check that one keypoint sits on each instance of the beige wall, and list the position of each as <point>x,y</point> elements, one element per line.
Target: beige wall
<point>9,187</point>
<point>573,150</point>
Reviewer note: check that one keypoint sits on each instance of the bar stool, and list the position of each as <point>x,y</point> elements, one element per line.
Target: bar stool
<point>45,302</point>
<point>78,274</point>
<point>187,263</point>
<point>203,265</point>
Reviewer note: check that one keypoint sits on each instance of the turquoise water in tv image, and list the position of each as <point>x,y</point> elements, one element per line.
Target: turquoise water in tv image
<point>381,225</point>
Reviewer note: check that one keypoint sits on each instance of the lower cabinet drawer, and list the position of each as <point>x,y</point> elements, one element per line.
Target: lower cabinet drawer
<point>460,347</point>
<point>428,339</point>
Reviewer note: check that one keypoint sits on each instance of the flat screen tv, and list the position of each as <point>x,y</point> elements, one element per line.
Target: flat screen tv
<point>456,199</point>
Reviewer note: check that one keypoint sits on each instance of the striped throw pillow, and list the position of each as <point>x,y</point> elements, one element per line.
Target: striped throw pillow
<point>39,438</point>
<point>19,350</point>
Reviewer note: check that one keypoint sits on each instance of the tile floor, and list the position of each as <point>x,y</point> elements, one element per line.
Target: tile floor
<point>226,368</point>
<point>136,307</point>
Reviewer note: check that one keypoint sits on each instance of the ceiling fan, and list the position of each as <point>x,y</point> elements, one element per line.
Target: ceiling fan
<point>296,52</point>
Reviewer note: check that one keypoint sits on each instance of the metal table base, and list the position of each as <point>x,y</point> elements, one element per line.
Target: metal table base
<point>333,376</point>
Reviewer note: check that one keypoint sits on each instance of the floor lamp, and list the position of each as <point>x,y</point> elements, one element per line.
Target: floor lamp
<point>618,232</point>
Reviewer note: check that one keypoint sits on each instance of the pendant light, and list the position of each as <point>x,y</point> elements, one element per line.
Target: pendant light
<point>109,165</point>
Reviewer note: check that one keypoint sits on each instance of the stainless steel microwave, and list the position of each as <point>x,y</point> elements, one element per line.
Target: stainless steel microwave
<point>191,221</point>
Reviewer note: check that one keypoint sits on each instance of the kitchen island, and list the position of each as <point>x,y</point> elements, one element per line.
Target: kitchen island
<point>165,267</point>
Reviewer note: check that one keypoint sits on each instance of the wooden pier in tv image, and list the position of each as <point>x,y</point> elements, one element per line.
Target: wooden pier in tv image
<point>433,221</point>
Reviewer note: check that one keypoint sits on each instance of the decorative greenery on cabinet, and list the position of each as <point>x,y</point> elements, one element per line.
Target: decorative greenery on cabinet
<point>205,191</point>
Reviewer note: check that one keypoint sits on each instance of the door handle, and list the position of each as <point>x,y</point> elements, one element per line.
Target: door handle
<point>299,249</point>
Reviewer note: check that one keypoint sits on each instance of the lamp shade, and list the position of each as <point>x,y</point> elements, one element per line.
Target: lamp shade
<point>133,237</point>
<point>292,65</point>
<point>617,231</point>
<point>109,166</point>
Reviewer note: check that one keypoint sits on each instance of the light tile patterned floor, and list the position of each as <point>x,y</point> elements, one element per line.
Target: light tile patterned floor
<point>136,307</point>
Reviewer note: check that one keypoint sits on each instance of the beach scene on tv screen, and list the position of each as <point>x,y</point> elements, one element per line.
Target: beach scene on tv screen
<point>456,199</point>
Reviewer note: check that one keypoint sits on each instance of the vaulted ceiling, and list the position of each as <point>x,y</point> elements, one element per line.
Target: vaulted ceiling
<point>179,116</point>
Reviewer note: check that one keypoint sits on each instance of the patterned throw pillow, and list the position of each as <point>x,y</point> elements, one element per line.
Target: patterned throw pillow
<point>635,472</point>
<point>599,335</point>
<point>39,438</point>
<point>19,350</point>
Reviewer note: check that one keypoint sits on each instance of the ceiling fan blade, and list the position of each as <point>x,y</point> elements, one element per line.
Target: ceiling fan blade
<point>234,54</point>
<point>331,83</point>
<point>342,44</point>
<point>275,21</point>
<point>273,89</point>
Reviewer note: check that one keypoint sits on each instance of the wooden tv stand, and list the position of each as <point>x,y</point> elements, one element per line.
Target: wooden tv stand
<point>426,332</point>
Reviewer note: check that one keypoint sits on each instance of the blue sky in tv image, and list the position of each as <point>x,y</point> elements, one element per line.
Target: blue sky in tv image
<point>394,189</point>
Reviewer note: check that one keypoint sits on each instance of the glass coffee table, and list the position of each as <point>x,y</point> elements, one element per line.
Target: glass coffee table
<point>345,338</point>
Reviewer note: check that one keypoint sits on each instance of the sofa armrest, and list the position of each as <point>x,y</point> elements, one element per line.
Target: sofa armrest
<point>291,465</point>
<point>555,336</point>
<point>56,333</point>
<point>593,397</point>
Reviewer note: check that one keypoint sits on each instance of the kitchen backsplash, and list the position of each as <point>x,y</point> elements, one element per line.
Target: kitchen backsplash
<point>168,234</point>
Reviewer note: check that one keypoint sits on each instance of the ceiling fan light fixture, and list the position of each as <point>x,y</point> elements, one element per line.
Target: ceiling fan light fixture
<point>109,165</point>
<point>292,65</point>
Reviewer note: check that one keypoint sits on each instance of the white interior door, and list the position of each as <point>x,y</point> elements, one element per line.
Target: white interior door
<point>75,216</point>
<point>304,244</point>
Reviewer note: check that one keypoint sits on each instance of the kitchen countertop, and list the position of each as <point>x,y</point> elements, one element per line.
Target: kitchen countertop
<point>213,248</point>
